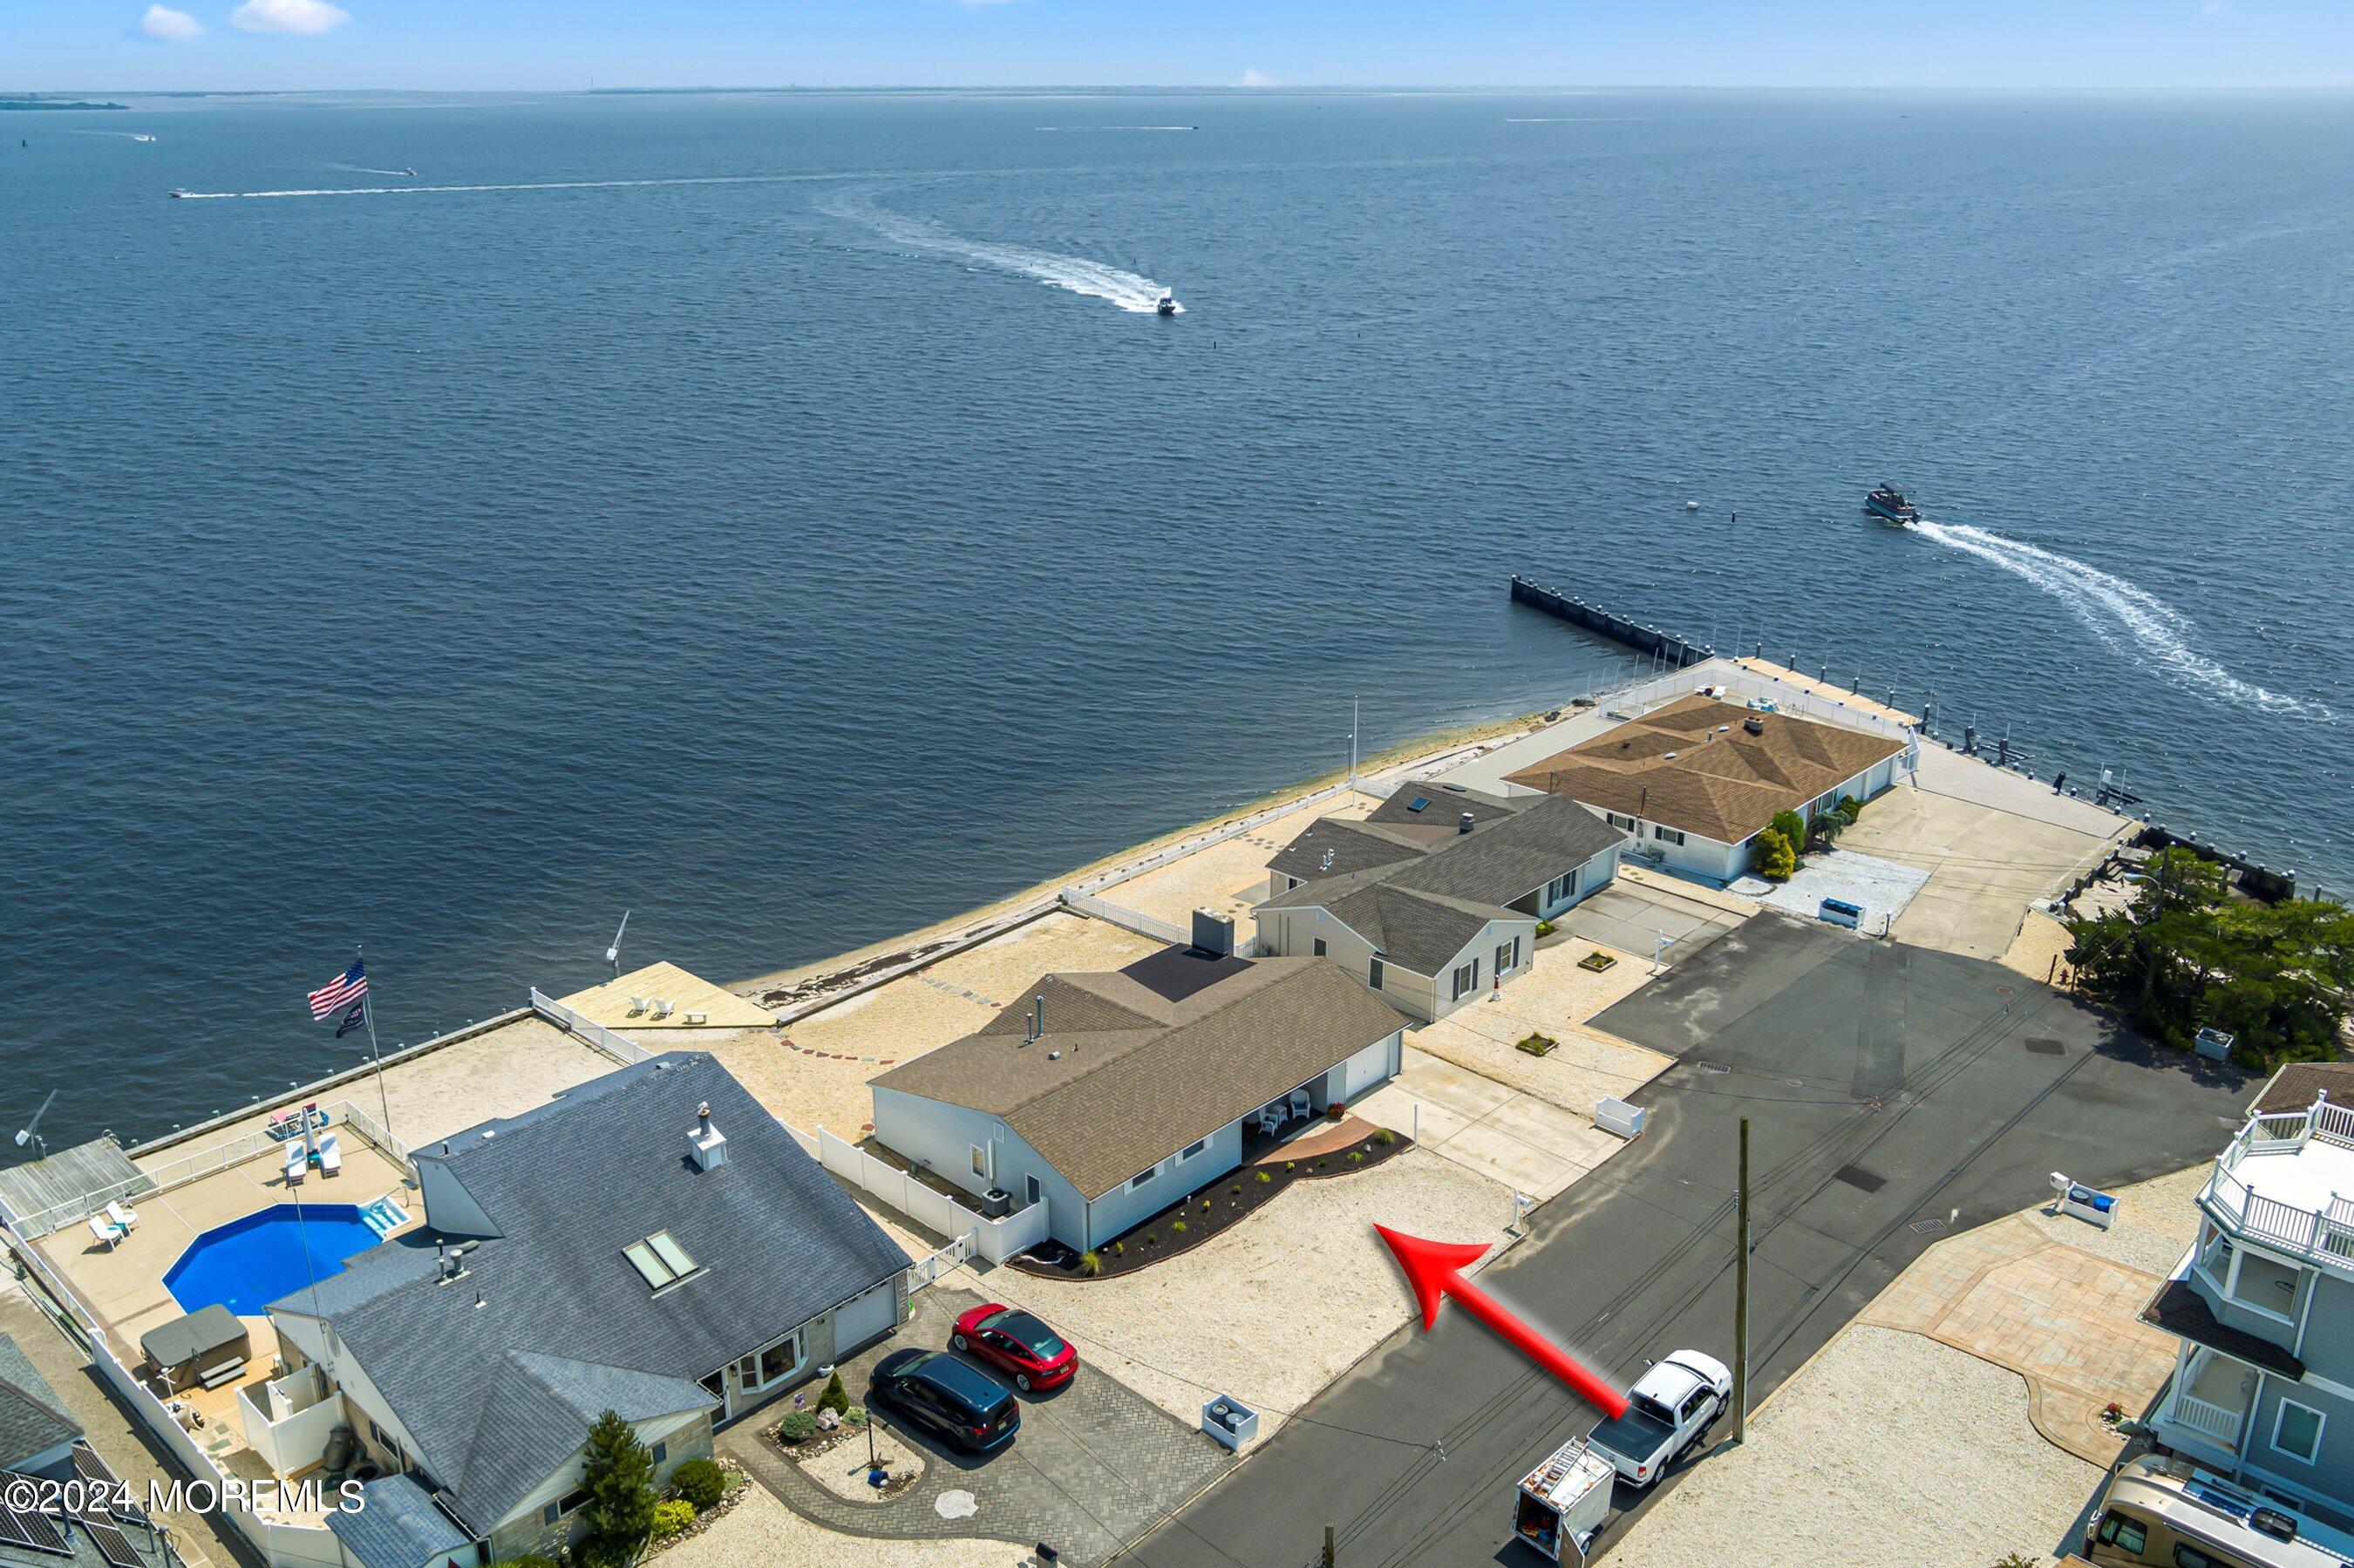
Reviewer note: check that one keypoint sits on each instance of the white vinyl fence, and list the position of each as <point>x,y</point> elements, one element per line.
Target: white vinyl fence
<point>620,1047</point>
<point>995,1240</point>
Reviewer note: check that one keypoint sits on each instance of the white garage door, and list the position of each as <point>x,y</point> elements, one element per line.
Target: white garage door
<point>1363,1070</point>
<point>861,1318</point>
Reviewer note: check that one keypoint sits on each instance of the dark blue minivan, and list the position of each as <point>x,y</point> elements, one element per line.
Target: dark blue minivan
<point>953,1400</point>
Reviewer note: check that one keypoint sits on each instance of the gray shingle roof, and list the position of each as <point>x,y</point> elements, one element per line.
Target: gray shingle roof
<point>564,1320</point>
<point>1102,1105</point>
<point>1420,912</point>
<point>1334,846</point>
<point>33,1419</point>
<point>396,1526</point>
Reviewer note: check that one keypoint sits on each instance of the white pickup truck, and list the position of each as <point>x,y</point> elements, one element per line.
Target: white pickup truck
<point>1673,1403</point>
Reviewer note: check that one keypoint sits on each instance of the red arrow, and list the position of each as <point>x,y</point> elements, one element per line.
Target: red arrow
<point>1435,1270</point>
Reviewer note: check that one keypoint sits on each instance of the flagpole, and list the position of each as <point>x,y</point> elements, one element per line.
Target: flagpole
<point>384,1099</point>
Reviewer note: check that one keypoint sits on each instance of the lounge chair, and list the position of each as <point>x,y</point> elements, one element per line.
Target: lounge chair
<point>1300,1103</point>
<point>664,1009</point>
<point>122,1214</point>
<point>298,1164</point>
<point>106,1230</point>
<point>331,1156</point>
<point>639,1004</point>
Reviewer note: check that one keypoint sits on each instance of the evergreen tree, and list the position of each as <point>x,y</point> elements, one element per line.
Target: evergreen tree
<point>617,1473</point>
<point>1776,858</point>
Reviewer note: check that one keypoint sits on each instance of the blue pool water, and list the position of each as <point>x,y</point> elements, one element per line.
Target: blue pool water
<point>250,1263</point>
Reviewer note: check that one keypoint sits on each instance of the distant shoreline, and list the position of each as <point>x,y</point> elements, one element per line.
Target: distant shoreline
<point>28,103</point>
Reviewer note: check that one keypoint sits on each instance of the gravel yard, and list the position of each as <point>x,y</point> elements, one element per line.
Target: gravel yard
<point>1883,887</point>
<point>1980,1481</point>
<point>1231,876</point>
<point>762,1529</point>
<point>1274,1309</point>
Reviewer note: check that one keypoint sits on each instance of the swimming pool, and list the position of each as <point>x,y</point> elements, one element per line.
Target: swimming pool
<point>248,1264</point>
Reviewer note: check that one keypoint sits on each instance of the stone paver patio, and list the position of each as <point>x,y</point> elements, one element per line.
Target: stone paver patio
<point>1095,1464</point>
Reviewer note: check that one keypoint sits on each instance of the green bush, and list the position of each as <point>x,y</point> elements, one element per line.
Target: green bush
<point>1178,1225</point>
<point>1091,1262</point>
<point>670,1516</point>
<point>798,1426</point>
<point>528,1560</point>
<point>835,1398</point>
<point>1291,1165</point>
<point>1356,1157</point>
<point>1544,928</point>
<point>1386,1138</point>
<point>1265,1177</point>
<point>1776,857</point>
<point>1235,1188</point>
<point>700,1482</point>
<point>854,1417</point>
<point>1850,808</point>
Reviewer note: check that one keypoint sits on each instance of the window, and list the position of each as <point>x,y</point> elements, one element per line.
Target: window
<point>1508,957</point>
<point>980,1161</point>
<point>1141,1177</point>
<point>1373,974</point>
<point>1616,821</point>
<point>2296,1431</point>
<point>1289,882</point>
<point>1467,978</point>
<point>2266,1286</point>
<point>2128,1535</point>
<point>1561,887</point>
<point>1031,1191</point>
<point>2192,1557</point>
<point>1667,835</point>
<point>661,1453</point>
<point>764,1368</point>
<point>1193,1148</point>
<point>1320,946</point>
<point>659,1260</point>
<point>571,1502</point>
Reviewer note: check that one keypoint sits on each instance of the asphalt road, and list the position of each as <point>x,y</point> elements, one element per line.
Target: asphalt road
<point>1895,1095</point>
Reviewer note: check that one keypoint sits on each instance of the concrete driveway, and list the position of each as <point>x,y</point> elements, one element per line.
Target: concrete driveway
<point>1632,918</point>
<point>1094,1464</point>
<point>1526,1143</point>
<point>1888,1088</point>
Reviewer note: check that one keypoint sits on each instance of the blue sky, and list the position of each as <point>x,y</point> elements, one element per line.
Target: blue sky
<point>543,44</point>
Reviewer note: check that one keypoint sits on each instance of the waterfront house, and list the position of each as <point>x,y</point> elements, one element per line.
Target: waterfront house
<point>2263,1306</point>
<point>1435,899</point>
<point>652,1242</point>
<point>1106,1096</point>
<point>1692,784</point>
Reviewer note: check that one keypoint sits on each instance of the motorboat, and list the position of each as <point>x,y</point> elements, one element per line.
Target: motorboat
<point>410,173</point>
<point>178,191</point>
<point>1166,305</point>
<point>1888,504</point>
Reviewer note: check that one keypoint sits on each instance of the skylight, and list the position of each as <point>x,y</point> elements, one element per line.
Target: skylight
<point>659,1260</point>
<point>1419,802</point>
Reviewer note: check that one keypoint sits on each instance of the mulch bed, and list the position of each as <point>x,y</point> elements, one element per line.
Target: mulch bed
<point>738,1485</point>
<point>1223,1204</point>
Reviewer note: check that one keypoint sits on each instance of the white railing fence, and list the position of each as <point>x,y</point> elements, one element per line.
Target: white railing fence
<point>1135,920</point>
<point>1748,684</point>
<point>2210,1421</point>
<point>2324,1235</point>
<point>621,1048</point>
<point>1219,834</point>
<point>995,1240</point>
<point>928,1268</point>
<point>226,1155</point>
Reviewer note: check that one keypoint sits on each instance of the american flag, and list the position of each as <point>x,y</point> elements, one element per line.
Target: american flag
<point>340,992</point>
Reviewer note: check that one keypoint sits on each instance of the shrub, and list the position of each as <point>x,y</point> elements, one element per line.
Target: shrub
<point>1777,858</point>
<point>1118,1248</point>
<point>1091,1262</point>
<point>700,1482</point>
<point>835,1398</point>
<point>1356,1157</point>
<point>798,1426</point>
<point>1850,808</point>
<point>1179,1225</point>
<point>2018,1560</point>
<point>617,1471</point>
<point>1265,1177</point>
<point>1206,1205</point>
<point>854,1417</point>
<point>670,1516</point>
<point>1544,928</point>
<point>1386,1138</point>
<point>1291,1165</point>
<point>528,1560</point>
<point>1336,1110</point>
<point>1791,826</point>
<point>1537,1044</point>
<point>1235,1188</point>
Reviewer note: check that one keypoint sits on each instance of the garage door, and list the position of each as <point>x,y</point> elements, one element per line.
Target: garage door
<point>861,1318</point>
<point>1363,1070</point>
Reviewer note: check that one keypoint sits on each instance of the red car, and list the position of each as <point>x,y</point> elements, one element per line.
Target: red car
<point>1035,1355</point>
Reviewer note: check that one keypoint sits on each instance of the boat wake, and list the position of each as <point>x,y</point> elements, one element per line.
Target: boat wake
<point>1131,292</point>
<point>533,186</point>
<point>364,169</point>
<point>1120,127</point>
<point>2119,613</point>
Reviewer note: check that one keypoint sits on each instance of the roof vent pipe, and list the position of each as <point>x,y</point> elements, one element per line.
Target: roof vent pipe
<point>1463,825</point>
<point>1038,1016</point>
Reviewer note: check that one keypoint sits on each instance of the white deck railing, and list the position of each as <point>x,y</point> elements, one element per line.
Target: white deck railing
<point>2213,1422</point>
<point>2323,1235</point>
<point>620,1047</point>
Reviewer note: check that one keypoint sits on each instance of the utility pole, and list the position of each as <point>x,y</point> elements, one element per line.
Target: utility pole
<point>1740,1303</point>
<point>1328,1546</point>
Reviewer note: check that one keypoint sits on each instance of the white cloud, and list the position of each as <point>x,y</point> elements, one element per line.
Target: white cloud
<point>288,16</point>
<point>1255,78</point>
<point>163,22</point>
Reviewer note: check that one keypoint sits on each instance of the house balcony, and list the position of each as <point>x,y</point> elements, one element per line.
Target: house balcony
<point>2207,1408</point>
<point>2279,1184</point>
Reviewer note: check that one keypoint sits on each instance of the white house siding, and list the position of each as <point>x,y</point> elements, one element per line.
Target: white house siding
<point>1293,933</point>
<point>1124,1205</point>
<point>1591,878</point>
<point>1367,1070</point>
<point>1481,950</point>
<point>941,1137</point>
<point>308,1335</point>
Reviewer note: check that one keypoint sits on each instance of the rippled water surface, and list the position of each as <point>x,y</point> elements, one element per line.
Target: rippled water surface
<point>785,517</point>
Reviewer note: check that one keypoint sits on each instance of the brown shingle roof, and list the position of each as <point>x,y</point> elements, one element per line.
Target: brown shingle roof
<point>1693,765</point>
<point>1102,1102</point>
<point>2297,1085</point>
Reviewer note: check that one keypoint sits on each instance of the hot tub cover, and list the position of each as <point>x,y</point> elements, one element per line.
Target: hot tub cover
<point>184,1340</point>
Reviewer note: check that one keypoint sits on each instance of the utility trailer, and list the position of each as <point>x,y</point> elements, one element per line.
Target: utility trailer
<point>1562,1502</point>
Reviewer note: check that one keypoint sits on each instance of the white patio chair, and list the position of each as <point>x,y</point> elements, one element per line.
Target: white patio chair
<point>1301,1104</point>
<point>639,1004</point>
<point>122,1214</point>
<point>105,1229</point>
<point>331,1156</point>
<point>298,1165</point>
<point>664,1009</point>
